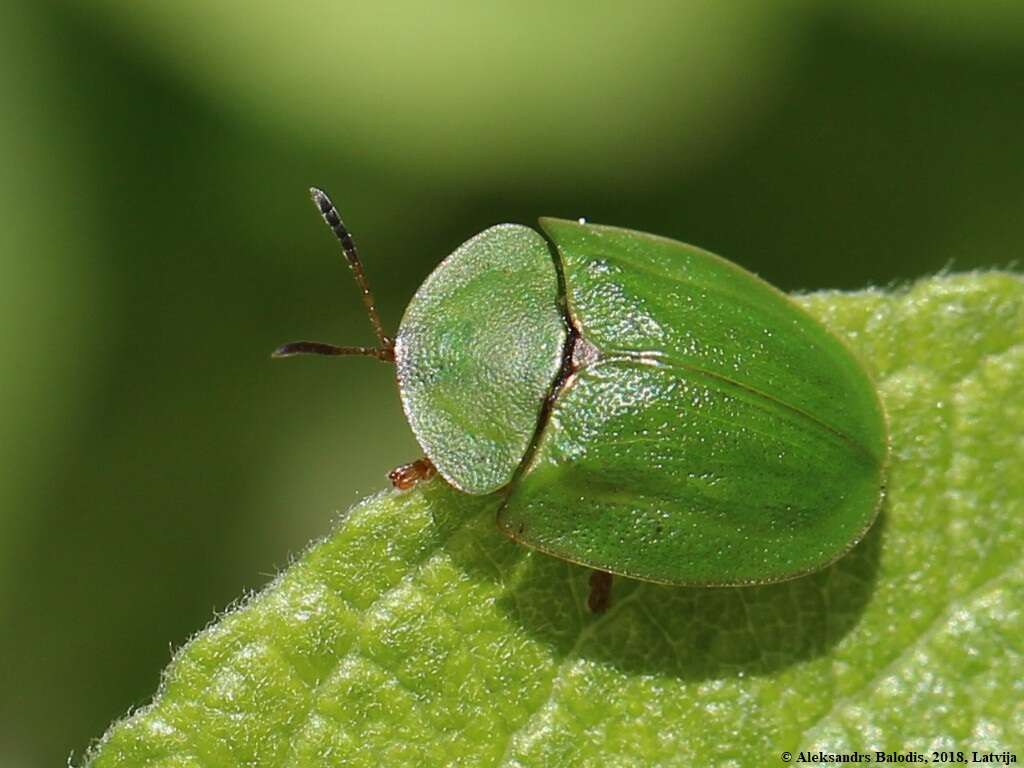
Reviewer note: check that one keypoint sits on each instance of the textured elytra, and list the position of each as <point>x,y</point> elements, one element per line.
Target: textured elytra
<point>721,436</point>
<point>416,634</point>
<point>478,351</point>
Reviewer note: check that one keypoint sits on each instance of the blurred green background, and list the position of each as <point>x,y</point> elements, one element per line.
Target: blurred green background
<point>157,242</point>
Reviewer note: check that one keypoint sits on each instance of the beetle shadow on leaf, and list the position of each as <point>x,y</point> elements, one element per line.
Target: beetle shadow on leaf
<point>695,633</point>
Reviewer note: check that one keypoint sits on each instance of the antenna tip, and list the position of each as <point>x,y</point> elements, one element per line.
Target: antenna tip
<point>320,198</point>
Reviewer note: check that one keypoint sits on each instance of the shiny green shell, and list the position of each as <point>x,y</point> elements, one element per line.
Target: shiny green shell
<point>643,406</point>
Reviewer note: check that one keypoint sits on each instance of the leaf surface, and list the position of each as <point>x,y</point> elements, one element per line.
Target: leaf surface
<point>415,634</point>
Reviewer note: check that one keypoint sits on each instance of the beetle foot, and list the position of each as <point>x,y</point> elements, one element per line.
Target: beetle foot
<point>407,475</point>
<point>600,591</point>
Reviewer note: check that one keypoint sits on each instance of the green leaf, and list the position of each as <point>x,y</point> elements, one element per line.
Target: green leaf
<point>415,634</point>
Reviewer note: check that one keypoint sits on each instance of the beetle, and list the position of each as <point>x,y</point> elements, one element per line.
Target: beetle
<point>645,408</point>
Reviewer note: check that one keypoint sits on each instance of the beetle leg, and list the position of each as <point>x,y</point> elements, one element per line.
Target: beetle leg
<point>600,591</point>
<point>407,475</point>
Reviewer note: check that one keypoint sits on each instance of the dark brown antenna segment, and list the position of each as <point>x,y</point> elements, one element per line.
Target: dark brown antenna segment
<point>348,247</point>
<point>293,348</point>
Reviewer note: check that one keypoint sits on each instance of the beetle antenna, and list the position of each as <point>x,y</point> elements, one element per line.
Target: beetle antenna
<point>348,247</point>
<point>385,354</point>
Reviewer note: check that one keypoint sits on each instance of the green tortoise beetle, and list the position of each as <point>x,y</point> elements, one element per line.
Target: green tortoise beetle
<point>647,408</point>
